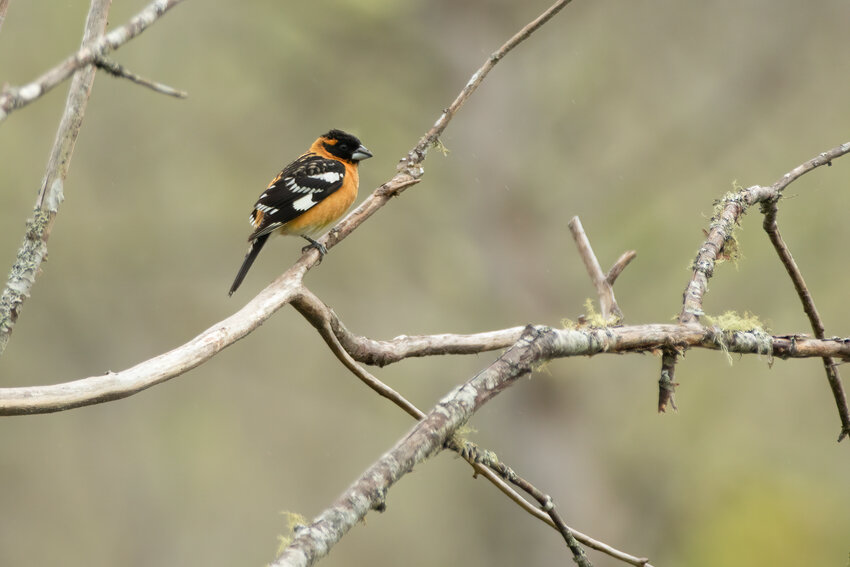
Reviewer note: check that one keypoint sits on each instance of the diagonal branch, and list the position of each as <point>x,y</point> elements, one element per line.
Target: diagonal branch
<point>13,98</point>
<point>770,210</point>
<point>326,322</point>
<point>425,440</point>
<point>432,434</point>
<point>418,153</point>
<point>278,293</point>
<point>33,251</point>
<point>117,70</point>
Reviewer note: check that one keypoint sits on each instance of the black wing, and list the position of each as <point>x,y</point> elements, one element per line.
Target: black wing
<point>298,188</point>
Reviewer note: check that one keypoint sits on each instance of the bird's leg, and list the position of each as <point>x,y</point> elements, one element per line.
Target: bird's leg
<point>314,244</point>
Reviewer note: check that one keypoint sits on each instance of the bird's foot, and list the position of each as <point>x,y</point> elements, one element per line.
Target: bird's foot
<point>314,244</point>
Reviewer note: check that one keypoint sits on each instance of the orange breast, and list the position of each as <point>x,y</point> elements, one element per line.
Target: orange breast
<point>329,210</point>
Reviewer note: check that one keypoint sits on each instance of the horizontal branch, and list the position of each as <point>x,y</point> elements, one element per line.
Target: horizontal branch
<point>12,98</point>
<point>576,342</point>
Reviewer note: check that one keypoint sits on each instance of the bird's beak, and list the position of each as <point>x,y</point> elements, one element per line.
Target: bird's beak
<point>361,153</point>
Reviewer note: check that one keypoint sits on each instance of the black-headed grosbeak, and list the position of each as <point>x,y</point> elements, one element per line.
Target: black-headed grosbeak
<point>310,194</point>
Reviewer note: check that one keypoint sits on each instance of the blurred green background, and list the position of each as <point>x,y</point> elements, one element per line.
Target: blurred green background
<point>634,115</point>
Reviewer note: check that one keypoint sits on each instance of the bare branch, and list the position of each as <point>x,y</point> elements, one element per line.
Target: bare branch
<point>318,314</point>
<point>326,322</point>
<point>33,250</point>
<point>620,265</point>
<point>277,294</point>
<point>117,70</point>
<point>666,385</point>
<point>427,438</point>
<point>582,342</point>
<point>117,385</point>
<point>607,302</point>
<point>4,4</point>
<point>770,210</point>
<point>12,98</point>
<point>731,208</point>
<point>410,164</point>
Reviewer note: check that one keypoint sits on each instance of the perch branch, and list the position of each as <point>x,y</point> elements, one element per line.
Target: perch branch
<point>33,250</point>
<point>279,292</point>
<point>13,98</point>
<point>770,211</point>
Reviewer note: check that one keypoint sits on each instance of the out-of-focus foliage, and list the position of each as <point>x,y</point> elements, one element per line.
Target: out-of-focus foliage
<point>634,115</point>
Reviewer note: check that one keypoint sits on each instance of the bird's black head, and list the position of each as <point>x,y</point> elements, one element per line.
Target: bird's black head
<point>345,146</point>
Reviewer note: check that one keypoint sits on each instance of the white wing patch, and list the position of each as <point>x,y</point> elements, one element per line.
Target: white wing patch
<point>304,202</point>
<point>329,177</point>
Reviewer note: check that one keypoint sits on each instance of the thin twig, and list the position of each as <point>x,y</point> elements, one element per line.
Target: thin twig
<point>117,70</point>
<point>33,250</point>
<point>315,311</point>
<point>770,211</point>
<point>410,164</point>
<point>13,98</point>
<point>607,301</point>
<point>474,455</point>
<point>620,265</point>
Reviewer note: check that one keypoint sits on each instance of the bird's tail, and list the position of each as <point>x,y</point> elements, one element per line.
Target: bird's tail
<point>256,246</point>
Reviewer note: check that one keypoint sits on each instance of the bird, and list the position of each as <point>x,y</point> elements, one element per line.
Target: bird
<point>308,195</point>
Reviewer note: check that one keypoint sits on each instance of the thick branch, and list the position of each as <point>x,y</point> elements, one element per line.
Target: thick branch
<point>12,98</point>
<point>425,440</point>
<point>33,251</point>
<point>116,385</point>
<point>322,318</point>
